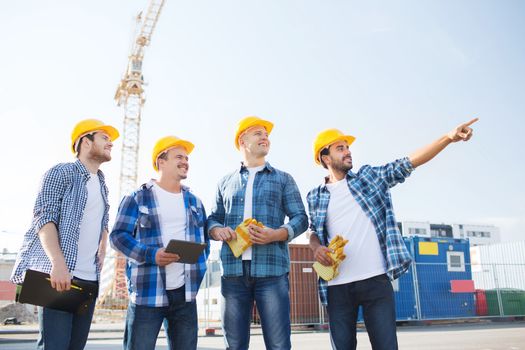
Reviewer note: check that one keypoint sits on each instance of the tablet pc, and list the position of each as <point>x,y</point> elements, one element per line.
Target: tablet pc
<point>188,251</point>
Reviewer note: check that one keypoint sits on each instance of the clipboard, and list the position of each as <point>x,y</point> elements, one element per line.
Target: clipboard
<point>188,251</point>
<point>37,290</point>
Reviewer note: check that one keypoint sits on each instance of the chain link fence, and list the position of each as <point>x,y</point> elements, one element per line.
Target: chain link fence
<point>428,291</point>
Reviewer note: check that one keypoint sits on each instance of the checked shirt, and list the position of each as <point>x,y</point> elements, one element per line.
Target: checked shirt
<point>275,196</point>
<point>370,186</point>
<point>61,199</point>
<point>137,234</point>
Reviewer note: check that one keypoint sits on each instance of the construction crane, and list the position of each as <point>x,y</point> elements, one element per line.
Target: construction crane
<point>130,96</point>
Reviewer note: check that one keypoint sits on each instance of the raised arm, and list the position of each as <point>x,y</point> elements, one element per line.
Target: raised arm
<point>462,132</point>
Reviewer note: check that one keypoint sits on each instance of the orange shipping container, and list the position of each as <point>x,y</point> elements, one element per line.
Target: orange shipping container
<point>305,307</point>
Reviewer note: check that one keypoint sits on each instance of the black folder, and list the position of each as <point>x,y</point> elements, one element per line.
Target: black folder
<point>37,290</point>
<point>188,251</point>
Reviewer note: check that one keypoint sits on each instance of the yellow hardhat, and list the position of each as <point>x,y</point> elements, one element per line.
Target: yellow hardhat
<point>248,122</point>
<point>325,138</point>
<point>165,144</point>
<point>86,126</point>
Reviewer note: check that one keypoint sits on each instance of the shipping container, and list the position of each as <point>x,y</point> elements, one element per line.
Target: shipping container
<point>443,277</point>
<point>305,306</point>
<point>405,297</point>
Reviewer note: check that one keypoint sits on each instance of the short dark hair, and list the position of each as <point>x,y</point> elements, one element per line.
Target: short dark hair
<point>324,152</point>
<point>90,137</point>
<point>163,155</point>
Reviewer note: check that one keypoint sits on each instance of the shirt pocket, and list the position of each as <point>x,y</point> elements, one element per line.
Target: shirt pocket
<point>144,221</point>
<point>197,217</point>
<point>368,189</point>
<point>272,195</point>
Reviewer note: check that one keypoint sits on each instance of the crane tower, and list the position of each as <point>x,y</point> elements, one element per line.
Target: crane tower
<point>130,96</point>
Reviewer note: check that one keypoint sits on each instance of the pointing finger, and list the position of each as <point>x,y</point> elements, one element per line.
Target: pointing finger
<point>471,122</point>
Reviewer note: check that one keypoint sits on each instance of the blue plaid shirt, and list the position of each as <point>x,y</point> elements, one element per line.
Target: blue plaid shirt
<point>371,189</point>
<point>137,234</point>
<point>61,200</point>
<point>275,196</point>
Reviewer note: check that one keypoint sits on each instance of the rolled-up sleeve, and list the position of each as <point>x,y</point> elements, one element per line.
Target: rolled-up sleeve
<point>310,199</point>
<point>294,209</point>
<point>49,199</point>
<point>217,215</point>
<point>395,172</point>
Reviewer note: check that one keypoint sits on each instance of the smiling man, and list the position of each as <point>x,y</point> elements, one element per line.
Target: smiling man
<point>69,231</point>
<point>257,190</point>
<point>161,289</point>
<point>358,206</point>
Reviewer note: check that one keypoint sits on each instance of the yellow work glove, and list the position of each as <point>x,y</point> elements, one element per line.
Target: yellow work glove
<point>337,247</point>
<point>242,242</point>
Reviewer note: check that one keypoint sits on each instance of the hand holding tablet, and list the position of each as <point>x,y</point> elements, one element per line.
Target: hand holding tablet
<point>188,251</point>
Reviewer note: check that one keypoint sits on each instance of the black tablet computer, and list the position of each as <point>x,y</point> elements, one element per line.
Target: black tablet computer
<point>188,251</point>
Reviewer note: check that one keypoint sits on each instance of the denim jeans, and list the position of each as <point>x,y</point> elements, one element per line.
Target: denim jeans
<point>61,330</point>
<point>376,296</point>
<point>273,303</point>
<point>180,323</point>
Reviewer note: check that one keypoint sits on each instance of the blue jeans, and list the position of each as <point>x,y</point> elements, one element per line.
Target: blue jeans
<point>61,330</point>
<point>180,322</point>
<point>376,296</point>
<point>273,303</point>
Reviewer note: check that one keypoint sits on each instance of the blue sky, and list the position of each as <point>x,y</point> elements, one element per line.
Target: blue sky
<point>395,74</point>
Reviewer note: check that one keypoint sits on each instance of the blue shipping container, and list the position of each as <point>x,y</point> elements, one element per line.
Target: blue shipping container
<point>438,261</point>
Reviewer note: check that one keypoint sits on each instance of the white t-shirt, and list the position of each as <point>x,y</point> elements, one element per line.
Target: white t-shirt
<point>172,217</point>
<point>345,217</point>
<point>248,203</point>
<point>90,230</point>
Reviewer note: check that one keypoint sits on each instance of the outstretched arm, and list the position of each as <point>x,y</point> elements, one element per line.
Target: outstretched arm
<point>462,132</point>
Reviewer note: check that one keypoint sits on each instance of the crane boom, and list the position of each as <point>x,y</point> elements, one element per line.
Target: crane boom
<point>129,95</point>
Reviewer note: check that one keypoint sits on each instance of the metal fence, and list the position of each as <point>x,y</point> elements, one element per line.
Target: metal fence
<point>426,292</point>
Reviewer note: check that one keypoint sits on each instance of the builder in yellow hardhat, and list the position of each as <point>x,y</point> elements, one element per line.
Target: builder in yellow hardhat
<point>68,235</point>
<point>358,207</point>
<point>257,190</point>
<point>159,211</point>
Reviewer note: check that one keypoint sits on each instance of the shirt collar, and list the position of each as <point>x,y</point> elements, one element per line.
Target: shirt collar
<point>84,172</point>
<point>148,185</point>
<point>267,167</point>
<point>349,175</point>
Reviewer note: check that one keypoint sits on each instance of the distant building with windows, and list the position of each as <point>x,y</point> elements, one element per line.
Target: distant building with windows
<point>476,234</point>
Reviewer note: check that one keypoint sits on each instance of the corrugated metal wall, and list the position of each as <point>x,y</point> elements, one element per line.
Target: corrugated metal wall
<point>304,297</point>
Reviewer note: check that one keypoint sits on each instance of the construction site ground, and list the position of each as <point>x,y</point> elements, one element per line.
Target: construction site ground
<point>486,335</point>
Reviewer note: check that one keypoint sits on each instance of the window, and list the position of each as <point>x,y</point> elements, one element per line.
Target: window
<point>413,231</point>
<point>441,231</point>
<point>456,261</point>
<point>478,234</point>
